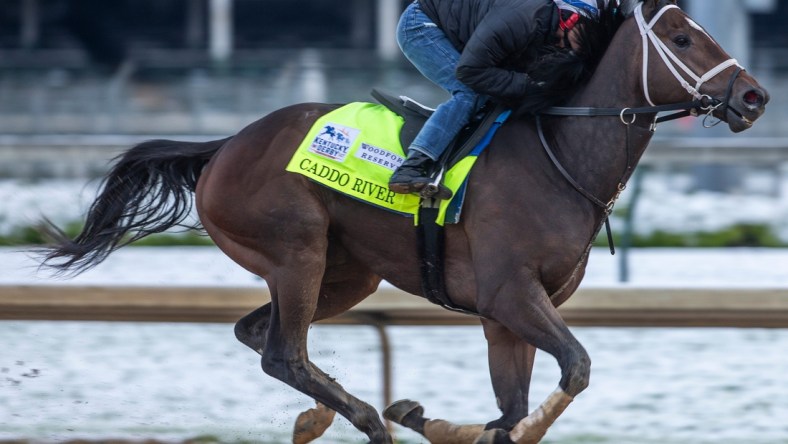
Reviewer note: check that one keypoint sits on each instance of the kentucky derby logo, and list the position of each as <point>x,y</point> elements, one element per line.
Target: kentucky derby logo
<point>334,141</point>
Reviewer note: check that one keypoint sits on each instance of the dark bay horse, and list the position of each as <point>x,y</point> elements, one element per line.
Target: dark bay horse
<point>519,252</point>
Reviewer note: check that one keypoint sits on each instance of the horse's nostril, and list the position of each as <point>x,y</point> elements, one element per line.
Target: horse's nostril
<point>753,98</point>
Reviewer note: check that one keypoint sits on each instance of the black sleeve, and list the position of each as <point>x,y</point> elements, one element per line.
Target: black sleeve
<point>500,35</point>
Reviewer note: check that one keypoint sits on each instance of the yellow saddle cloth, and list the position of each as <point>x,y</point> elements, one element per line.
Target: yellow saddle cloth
<point>355,149</point>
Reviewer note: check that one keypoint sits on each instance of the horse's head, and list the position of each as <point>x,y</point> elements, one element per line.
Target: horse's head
<point>682,61</point>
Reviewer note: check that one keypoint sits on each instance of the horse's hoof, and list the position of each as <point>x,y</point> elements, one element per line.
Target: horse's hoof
<point>312,423</point>
<point>398,410</point>
<point>494,436</point>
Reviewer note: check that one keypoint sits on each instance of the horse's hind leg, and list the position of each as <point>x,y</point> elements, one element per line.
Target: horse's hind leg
<point>285,355</point>
<point>305,265</point>
<point>346,282</point>
<point>252,328</point>
<point>286,241</point>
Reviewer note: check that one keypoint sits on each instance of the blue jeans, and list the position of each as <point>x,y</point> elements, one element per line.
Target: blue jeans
<point>431,52</point>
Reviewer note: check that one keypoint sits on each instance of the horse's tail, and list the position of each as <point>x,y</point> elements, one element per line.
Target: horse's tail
<point>148,190</point>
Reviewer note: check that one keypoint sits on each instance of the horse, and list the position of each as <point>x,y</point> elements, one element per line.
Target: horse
<point>519,251</point>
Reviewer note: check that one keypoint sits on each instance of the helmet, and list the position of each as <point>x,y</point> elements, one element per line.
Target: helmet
<point>588,8</point>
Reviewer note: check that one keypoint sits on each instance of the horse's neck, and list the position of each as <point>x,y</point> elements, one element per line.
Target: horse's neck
<point>595,149</point>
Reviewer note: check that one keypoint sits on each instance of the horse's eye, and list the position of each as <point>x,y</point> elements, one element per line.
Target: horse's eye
<point>682,41</point>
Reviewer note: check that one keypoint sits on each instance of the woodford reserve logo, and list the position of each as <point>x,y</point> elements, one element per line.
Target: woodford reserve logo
<point>379,156</point>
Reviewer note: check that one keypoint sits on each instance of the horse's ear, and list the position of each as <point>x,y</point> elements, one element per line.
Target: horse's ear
<point>650,7</point>
<point>659,4</point>
<point>627,7</point>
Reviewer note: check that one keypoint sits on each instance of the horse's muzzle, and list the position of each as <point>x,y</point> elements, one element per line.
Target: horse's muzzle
<point>746,104</point>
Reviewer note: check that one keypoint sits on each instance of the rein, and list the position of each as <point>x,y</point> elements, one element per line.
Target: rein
<point>702,103</point>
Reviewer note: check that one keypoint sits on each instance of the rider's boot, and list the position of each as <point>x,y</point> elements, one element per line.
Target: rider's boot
<point>413,174</point>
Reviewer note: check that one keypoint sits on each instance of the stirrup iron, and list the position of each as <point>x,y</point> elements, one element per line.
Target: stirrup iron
<point>435,189</point>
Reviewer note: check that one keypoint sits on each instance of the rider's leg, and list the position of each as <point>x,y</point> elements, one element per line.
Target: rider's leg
<point>433,54</point>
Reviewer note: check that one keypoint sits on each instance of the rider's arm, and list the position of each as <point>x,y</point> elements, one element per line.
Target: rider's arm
<point>500,36</point>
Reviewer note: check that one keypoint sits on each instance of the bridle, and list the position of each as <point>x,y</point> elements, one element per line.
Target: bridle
<point>673,63</point>
<point>701,103</point>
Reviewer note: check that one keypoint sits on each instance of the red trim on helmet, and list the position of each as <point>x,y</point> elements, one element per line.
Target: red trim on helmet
<point>569,23</point>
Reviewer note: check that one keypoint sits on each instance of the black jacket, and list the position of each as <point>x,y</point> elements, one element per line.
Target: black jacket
<point>496,38</point>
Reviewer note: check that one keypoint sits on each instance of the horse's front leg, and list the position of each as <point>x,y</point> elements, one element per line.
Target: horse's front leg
<point>511,362</point>
<point>522,307</point>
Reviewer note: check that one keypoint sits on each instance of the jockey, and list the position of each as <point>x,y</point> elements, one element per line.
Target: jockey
<point>477,49</point>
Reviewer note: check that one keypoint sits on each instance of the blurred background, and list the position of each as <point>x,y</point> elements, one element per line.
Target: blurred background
<point>83,80</point>
<point>80,80</point>
<point>211,66</point>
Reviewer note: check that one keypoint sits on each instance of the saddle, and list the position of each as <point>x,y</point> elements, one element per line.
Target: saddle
<point>416,114</point>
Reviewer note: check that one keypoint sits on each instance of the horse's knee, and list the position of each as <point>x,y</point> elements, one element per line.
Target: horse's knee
<point>575,372</point>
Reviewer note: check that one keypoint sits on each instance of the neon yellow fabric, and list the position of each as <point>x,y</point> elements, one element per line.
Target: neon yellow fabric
<point>355,149</point>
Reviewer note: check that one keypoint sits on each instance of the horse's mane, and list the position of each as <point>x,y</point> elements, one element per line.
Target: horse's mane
<point>561,71</point>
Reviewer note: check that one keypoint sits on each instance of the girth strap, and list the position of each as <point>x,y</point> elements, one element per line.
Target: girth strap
<point>431,246</point>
